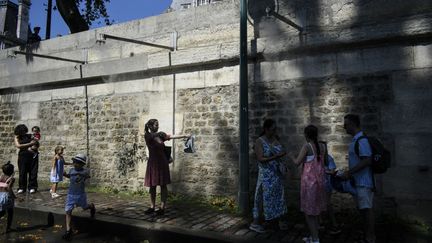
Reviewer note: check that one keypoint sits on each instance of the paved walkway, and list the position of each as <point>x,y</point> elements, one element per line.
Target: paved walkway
<point>209,223</point>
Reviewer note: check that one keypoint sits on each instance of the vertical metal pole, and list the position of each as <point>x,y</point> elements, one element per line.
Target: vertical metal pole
<point>174,109</point>
<point>244,131</point>
<point>48,23</point>
<point>87,121</point>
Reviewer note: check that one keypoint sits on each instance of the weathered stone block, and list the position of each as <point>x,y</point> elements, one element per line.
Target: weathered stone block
<point>422,56</point>
<point>388,59</point>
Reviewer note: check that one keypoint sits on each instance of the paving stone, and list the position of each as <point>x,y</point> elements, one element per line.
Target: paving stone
<point>241,232</point>
<point>198,219</point>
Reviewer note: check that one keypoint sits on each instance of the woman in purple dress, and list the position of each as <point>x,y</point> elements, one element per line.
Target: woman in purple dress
<point>157,173</point>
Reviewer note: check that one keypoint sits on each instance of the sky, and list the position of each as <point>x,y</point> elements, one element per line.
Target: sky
<point>119,10</point>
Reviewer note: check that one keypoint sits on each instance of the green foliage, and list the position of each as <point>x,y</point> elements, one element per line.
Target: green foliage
<point>127,157</point>
<point>217,203</point>
<point>93,10</point>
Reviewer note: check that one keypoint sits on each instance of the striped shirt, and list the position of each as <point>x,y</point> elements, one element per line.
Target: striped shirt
<point>362,177</point>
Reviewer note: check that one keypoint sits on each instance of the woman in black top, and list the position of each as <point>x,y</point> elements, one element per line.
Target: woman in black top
<point>27,162</point>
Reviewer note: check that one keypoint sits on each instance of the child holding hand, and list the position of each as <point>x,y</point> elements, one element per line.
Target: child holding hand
<point>7,197</point>
<point>57,170</point>
<point>76,194</point>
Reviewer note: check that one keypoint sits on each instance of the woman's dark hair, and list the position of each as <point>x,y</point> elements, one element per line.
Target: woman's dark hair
<point>311,133</point>
<point>326,161</point>
<point>21,130</point>
<point>355,119</point>
<point>268,123</point>
<point>162,135</point>
<point>150,122</point>
<point>37,128</point>
<point>8,168</point>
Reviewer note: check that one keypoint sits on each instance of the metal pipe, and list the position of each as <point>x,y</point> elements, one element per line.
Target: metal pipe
<point>174,110</point>
<point>48,57</point>
<point>244,124</point>
<point>48,23</point>
<point>284,19</point>
<point>105,36</point>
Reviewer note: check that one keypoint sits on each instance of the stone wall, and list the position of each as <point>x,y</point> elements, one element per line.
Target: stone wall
<point>211,114</point>
<point>8,115</point>
<point>363,57</point>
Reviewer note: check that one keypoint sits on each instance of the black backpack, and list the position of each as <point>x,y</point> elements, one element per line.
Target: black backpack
<point>381,157</point>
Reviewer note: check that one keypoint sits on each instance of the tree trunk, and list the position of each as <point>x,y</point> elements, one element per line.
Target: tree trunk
<point>71,15</point>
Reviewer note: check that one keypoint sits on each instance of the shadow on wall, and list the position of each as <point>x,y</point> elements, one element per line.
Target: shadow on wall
<point>318,93</point>
<point>29,49</point>
<point>212,115</point>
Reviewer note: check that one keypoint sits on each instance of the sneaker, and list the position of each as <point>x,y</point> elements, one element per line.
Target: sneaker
<point>20,191</point>
<point>92,211</point>
<point>160,212</point>
<point>307,239</point>
<point>257,228</point>
<point>310,240</point>
<point>55,195</point>
<point>32,191</point>
<point>67,235</point>
<point>334,230</point>
<point>51,191</point>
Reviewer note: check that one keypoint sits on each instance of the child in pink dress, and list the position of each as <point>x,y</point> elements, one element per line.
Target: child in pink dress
<point>7,197</point>
<point>312,192</point>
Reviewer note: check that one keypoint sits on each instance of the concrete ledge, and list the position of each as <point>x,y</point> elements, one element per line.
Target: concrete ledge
<point>113,70</point>
<point>138,226</point>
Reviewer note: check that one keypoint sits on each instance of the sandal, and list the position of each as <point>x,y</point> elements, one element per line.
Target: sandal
<point>307,239</point>
<point>160,212</point>
<point>332,230</point>
<point>257,228</point>
<point>149,211</point>
<point>283,225</point>
<point>67,235</point>
<point>92,211</point>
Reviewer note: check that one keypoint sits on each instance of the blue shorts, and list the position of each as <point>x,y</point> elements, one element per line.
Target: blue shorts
<point>6,201</point>
<point>73,201</point>
<point>364,197</point>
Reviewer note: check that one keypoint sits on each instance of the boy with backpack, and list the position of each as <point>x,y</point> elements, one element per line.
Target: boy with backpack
<point>362,159</point>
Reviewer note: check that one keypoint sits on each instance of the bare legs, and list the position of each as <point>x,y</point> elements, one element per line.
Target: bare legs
<point>330,211</point>
<point>152,196</point>
<point>164,196</point>
<point>54,188</point>
<point>68,234</point>
<point>68,220</point>
<point>369,224</point>
<point>10,213</point>
<point>313,224</point>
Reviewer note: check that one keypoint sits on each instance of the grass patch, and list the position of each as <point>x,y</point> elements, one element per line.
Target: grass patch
<point>46,185</point>
<point>214,203</point>
<point>414,226</point>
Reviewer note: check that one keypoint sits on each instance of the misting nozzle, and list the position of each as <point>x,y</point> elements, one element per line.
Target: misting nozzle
<point>268,11</point>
